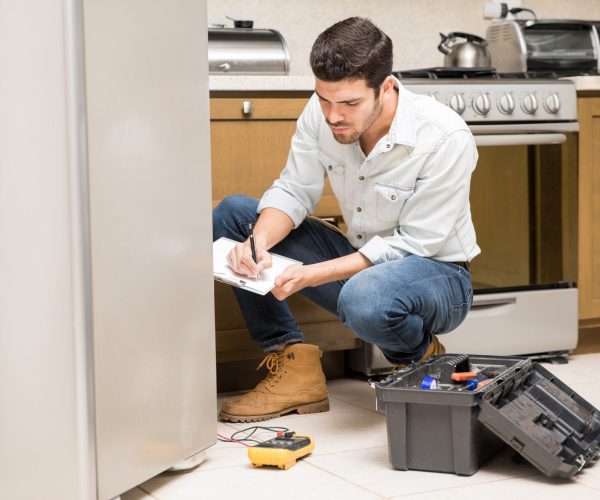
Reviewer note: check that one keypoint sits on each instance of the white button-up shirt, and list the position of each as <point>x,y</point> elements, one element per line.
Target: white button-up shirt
<point>409,196</point>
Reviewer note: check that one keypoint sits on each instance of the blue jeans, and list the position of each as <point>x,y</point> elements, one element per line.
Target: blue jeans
<point>397,305</point>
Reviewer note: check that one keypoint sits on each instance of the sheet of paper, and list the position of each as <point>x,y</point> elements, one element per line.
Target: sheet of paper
<point>266,279</point>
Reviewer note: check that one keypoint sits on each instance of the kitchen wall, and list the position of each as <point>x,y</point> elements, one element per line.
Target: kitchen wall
<point>413,26</point>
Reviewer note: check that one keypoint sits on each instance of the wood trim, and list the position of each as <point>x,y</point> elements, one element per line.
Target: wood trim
<point>589,324</point>
<point>235,345</point>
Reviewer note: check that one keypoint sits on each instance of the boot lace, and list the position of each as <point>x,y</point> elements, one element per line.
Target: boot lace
<point>275,363</point>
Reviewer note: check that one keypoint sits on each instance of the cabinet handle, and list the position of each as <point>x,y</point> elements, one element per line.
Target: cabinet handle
<point>247,107</point>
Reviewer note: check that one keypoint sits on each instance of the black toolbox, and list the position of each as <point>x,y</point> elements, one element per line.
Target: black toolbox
<point>435,424</point>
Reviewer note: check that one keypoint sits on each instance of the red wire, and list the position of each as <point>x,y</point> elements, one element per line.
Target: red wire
<point>233,440</point>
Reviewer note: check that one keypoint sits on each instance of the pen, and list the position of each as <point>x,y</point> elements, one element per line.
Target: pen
<point>252,244</point>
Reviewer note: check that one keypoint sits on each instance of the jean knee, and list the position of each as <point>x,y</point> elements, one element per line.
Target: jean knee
<point>230,212</point>
<point>359,312</point>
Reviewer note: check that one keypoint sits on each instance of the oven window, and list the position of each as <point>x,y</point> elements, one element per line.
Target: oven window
<point>558,44</point>
<point>523,204</point>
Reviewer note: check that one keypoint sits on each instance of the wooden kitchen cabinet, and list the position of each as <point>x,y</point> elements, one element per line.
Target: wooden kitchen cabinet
<point>249,147</point>
<point>250,137</point>
<point>589,210</point>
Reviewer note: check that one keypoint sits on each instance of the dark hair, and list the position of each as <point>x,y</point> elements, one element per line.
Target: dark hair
<point>353,48</point>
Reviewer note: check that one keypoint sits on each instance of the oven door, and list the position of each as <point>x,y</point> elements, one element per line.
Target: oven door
<point>524,207</point>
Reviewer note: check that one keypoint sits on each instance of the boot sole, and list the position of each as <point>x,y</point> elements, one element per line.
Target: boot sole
<point>319,406</point>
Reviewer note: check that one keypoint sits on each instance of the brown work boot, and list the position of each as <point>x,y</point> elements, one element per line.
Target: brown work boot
<point>295,382</point>
<point>435,348</point>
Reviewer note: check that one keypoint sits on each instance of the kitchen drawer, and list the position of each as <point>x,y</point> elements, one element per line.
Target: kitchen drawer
<point>262,108</point>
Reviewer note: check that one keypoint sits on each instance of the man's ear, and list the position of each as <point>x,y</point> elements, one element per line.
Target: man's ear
<point>387,87</point>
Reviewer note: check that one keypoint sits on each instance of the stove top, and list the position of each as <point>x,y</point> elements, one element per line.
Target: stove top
<point>482,96</point>
<point>438,73</point>
<point>441,73</point>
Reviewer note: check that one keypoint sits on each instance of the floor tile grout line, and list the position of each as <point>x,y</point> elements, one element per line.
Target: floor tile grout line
<point>464,486</point>
<point>346,480</point>
<point>339,452</point>
<point>591,487</point>
<point>148,493</point>
<point>356,405</point>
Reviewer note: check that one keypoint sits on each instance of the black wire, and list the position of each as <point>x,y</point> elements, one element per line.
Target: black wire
<point>516,10</point>
<point>250,431</point>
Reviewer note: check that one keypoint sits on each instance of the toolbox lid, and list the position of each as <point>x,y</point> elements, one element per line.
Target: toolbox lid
<point>544,420</point>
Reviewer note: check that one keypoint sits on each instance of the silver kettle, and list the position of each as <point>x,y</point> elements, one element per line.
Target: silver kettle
<point>472,53</point>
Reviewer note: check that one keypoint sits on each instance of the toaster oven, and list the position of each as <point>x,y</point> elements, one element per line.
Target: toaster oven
<point>564,47</point>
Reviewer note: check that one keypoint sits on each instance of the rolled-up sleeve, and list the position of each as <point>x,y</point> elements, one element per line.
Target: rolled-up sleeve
<point>440,198</point>
<point>300,185</point>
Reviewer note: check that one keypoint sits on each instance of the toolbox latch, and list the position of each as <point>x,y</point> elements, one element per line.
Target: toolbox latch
<point>516,444</point>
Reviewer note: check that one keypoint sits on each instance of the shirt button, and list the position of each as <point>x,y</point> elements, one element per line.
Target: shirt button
<point>388,146</point>
<point>393,197</point>
<point>359,236</point>
<point>361,178</point>
<point>358,209</point>
<point>330,168</point>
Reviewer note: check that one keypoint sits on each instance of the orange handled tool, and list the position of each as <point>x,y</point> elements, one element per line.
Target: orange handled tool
<point>463,376</point>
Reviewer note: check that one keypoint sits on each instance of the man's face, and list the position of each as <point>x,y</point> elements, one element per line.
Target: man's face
<point>349,106</point>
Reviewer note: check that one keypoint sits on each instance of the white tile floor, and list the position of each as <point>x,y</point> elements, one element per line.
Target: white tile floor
<point>350,459</point>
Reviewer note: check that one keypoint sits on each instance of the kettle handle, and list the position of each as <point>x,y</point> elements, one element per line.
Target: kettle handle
<point>442,47</point>
<point>470,37</point>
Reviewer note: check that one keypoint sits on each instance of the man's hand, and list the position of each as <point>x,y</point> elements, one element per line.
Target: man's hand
<point>296,277</point>
<point>241,262</point>
<point>292,279</point>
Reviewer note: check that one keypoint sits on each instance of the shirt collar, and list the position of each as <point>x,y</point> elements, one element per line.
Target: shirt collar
<point>402,129</point>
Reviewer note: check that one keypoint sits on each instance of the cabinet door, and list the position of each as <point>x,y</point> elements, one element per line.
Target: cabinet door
<point>250,149</point>
<point>589,208</point>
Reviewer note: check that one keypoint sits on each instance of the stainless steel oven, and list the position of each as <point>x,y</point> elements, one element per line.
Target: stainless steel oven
<point>523,202</point>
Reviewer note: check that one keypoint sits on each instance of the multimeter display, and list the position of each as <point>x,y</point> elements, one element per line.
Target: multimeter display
<point>292,443</point>
<point>282,451</point>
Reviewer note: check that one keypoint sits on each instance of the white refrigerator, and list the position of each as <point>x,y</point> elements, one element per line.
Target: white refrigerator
<point>107,356</point>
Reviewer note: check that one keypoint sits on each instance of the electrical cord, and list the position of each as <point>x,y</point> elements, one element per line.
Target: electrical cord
<point>516,10</point>
<point>504,11</point>
<point>247,433</point>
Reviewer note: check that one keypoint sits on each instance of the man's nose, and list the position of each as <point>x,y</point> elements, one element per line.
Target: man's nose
<point>334,115</point>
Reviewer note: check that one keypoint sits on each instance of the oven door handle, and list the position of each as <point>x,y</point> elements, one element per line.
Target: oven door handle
<point>485,308</point>
<point>519,139</point>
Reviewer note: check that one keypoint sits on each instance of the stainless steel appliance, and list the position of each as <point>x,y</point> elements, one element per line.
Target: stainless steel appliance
<point>107,370</point>
<point>247,51</point>
<point>522,204</point>
<point>563,47</point>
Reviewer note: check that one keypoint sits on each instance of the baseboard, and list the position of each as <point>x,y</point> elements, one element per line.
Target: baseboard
<point>589,337</point>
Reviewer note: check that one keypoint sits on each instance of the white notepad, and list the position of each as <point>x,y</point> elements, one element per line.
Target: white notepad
<point>266,279</point>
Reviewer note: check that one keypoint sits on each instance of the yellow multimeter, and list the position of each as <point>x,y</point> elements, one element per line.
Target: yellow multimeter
<point>282,451</point>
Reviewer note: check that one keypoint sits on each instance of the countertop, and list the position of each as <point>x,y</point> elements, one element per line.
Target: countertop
<point>585,82</point>
<point>306,83</point>
<point>259,83</point>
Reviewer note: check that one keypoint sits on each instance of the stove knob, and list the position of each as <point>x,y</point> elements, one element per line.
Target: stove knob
<point>457,103</point>
<point>506,104</point>
<point>530,104</point>
<point>481,104</point>
<point>552,103</point>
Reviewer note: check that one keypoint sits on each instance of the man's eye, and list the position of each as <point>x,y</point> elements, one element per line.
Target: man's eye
<point>352,104</point>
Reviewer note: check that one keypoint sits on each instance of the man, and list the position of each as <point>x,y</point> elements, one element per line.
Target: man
<point>400,166</point>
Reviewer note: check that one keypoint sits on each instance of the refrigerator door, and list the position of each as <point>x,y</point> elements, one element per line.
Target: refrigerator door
<point>45,429</point>
<point>151,238</point>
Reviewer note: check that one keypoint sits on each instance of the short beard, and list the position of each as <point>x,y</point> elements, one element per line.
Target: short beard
<point>377,110</point>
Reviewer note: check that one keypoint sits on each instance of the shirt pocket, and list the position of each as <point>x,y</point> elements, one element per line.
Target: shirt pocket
<point>336,171</point>
<point>390,200</point>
